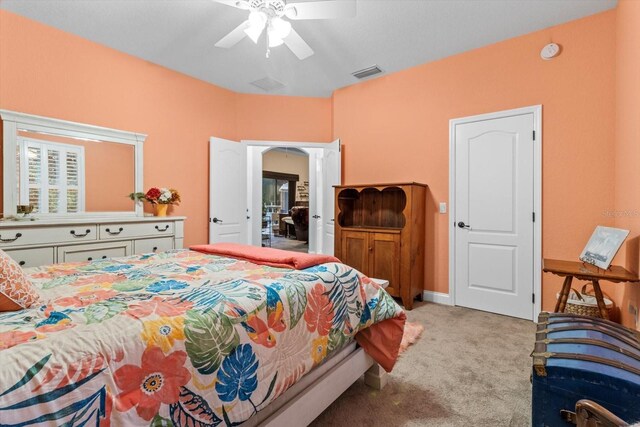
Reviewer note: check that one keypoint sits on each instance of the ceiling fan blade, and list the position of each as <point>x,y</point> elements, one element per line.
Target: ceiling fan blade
<point>240,4</point>
<point>297,45</point>
<point>234,36</point>
<point>330,9</point>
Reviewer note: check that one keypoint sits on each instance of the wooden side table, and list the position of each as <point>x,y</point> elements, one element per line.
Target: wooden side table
<point>582,271</point>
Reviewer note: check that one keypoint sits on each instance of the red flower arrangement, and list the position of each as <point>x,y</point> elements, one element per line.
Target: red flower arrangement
<point>158,196</point>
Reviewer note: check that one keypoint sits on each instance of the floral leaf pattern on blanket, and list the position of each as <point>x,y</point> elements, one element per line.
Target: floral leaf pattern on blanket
<point>178,338</point>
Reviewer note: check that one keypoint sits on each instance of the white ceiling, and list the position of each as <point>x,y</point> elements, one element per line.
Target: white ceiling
<point>394,34</point>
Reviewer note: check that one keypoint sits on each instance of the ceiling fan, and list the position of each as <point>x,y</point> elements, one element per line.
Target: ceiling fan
<point>271,14</point>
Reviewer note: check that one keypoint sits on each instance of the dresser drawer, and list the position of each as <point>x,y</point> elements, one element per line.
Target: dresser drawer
<point>137,229</point>
<point>47,235</point>
<point>145,246</point>
<point>32,257</point>
<point>93,252</point>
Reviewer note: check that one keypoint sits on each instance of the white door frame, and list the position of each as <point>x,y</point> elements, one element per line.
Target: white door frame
<point>537,197</point>
<point>309,148</point>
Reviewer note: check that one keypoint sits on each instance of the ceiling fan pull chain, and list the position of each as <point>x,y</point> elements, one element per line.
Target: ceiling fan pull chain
<point>268,48</point>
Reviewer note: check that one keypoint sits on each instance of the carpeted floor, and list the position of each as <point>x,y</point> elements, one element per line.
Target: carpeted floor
<point>470,368</point>
<point>289,244</point>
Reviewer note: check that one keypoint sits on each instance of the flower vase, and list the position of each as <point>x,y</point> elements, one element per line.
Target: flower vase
<point>161,209</point>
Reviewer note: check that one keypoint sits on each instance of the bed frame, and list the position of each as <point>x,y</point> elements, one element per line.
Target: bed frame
<point>304,401</point>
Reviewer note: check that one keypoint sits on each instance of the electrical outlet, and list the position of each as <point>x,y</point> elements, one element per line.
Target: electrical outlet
<point>443,207</point>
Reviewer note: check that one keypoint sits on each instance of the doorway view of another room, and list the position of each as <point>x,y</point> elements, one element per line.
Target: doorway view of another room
<point>285,199</point>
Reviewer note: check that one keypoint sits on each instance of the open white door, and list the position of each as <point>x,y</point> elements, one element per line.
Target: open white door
<point>227,191</point>
<point>315,203</point>
<point>332,170</point>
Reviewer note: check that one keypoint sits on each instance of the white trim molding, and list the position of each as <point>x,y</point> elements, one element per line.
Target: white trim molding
<point>536,110</point>
<point>35,123</point>
<point>437,297</point>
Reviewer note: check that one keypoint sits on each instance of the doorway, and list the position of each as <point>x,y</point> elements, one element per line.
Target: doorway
<point>495,197</point>
<point>285,199</point>
<point>235,190</point>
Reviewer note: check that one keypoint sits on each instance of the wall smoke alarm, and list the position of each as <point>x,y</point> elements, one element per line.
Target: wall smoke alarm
<point>550,51</point>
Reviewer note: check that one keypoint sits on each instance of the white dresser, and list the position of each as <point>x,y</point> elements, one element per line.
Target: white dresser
<point>42,242</point>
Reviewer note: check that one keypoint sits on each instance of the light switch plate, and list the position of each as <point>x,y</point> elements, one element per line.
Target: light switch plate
<point>443,207</point>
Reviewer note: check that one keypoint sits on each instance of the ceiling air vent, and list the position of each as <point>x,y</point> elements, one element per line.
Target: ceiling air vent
<point>268,84</point>
<point>367,72</point>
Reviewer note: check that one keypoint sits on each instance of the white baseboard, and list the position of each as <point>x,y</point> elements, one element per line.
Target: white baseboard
<point>436,297</point>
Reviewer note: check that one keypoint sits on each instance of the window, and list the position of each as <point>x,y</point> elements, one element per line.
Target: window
<point>278,191</point>
<point>51,176</point>
<point>275,195</point>
<point>284,197</point>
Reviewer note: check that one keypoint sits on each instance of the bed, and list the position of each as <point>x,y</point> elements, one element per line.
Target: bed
<point>190,339</point>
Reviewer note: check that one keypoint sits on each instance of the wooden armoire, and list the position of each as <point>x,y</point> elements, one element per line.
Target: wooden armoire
<point>380,231</point>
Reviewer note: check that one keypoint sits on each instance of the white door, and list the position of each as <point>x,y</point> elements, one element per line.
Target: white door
<point>332,166</point>
<point>494,205</point>
<point>228,217</point>
<point>315,200</point>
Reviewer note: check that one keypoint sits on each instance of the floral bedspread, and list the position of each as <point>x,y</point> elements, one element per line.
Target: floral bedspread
<point>180,338</point>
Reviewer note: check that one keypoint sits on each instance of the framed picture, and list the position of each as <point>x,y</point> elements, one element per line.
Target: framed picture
<point>603,246</point>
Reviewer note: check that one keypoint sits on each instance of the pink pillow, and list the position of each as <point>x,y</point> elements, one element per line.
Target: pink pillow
<point>16,292</point>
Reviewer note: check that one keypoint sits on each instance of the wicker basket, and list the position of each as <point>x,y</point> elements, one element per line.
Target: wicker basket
<point>585,304</point>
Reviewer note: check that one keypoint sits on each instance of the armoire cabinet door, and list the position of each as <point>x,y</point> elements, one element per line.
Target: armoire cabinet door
<point>384,259</point>
<point>355,250</point>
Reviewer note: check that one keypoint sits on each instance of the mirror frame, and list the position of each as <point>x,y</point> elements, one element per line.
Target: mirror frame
<point>14,121</point>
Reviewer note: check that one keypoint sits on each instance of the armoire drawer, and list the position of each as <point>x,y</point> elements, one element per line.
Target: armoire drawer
<point>93,252</point>
<point>46,235</point>
<point>137,229</point>
<point>145,246</point>
<point>32,257</point>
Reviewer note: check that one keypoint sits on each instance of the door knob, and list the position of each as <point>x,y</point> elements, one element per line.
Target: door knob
<point>463,225</point>
<point>216,220</point>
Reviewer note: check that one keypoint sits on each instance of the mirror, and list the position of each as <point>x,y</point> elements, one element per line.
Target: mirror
<point>69,169</point>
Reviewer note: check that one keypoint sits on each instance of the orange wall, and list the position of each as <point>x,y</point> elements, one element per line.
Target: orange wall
<point>627,172</point>
<point>284,118</point>
<point>52,73</point>
<point>396,128</point>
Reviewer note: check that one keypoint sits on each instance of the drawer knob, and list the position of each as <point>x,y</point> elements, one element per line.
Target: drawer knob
<point>74,234</point>
<point>90,259</point>
<point>155,248</point>
<point>166,227</point>
<point>114,233</point>
<point>18,235</point>
<point>104,257</point>
<point>21,263</point>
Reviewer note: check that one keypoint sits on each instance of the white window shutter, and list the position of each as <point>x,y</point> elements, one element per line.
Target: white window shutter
<point>51,177</point>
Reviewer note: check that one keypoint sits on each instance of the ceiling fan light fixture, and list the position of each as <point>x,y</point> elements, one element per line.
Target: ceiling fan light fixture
<point>275,41</point>
<point>257,19</point>
<point>257,22</point>
<point>254,33</point>
<point>279,28</point>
